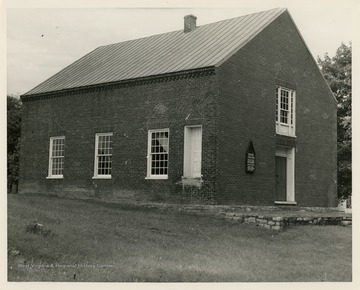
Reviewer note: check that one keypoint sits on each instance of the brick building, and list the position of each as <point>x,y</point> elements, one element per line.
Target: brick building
<point>232,111</point>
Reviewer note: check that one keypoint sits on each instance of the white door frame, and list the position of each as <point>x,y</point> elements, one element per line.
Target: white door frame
<point>187,151</point>
<point>289,154</point>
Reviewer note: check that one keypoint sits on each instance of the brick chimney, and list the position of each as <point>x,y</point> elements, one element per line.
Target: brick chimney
<point>189,23</point>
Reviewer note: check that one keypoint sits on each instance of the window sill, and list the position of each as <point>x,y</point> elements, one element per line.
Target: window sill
<point>286,202</point>
<point>55,177</point>
<point>288,135</point>
<point>157,177</point>
<point>101,177</point>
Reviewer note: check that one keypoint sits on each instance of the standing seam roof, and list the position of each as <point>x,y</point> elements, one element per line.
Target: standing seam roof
<point>207,45</point>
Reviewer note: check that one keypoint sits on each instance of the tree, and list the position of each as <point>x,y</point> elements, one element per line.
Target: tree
<point>13,140</point>
<point>337,71</point>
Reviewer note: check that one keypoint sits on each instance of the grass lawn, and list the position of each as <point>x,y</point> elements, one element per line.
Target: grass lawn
<point>95,241</point>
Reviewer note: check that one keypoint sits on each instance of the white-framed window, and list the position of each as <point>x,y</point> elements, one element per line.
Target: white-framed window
<point>56,157</point>
<point>285,111</point>
<point>103,155</point>
<point>158,154</point>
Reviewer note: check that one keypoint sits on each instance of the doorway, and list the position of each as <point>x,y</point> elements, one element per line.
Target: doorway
<point>192,151</point>
<point>281,178</point>
<point>285,175</point>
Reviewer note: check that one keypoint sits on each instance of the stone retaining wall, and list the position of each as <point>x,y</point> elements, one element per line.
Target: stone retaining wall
<point>269,217</point>
<point>277,223</point>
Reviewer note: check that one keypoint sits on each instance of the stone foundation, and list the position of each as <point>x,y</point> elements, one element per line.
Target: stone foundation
<point>277,223</point>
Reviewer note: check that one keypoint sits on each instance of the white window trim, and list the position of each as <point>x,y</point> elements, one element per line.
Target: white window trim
<point>50,175</point>
<point>96,175</point>
<point>286,129</point>
<point>148,174</point>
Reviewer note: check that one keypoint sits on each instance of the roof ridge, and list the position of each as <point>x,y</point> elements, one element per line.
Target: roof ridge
<point>272,17</point>
<point>209,45</point>
<point>181,30</point>
<point>245,15</point>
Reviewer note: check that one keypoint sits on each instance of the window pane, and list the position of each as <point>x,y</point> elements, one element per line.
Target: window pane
<point>159,152</point>
<point>285,111</point>
<point>284,106</point>
<point>57,156</point>
<point>277,104</point>
<point>292,108</point>
<point>104,154</point>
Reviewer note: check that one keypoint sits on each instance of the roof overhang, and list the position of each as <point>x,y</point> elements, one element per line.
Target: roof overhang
<point>200,72</point>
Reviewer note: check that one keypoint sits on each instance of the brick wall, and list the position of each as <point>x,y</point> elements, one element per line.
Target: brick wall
<point>247,112</point>
<point>128,112</point>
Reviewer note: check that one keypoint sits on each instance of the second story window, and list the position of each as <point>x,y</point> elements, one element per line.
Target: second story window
<point>285,111</point>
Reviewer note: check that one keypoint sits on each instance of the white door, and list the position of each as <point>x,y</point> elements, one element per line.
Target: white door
<point>285,175</point>
<point>192,152</point>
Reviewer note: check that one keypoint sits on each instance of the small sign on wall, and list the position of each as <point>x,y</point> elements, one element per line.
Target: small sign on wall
<point>250,158</point>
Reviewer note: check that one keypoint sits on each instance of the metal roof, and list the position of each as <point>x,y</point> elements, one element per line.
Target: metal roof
<point>205,46</point>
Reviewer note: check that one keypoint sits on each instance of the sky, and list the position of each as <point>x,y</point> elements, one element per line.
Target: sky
<point>41,40</point>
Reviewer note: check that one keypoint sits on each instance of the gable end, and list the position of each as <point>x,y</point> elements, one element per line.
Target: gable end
<point>308,50</point>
